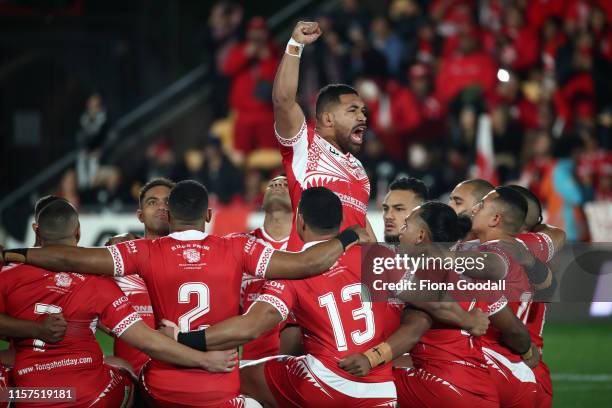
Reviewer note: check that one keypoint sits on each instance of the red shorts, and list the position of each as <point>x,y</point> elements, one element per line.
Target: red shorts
<point>118,392</point>
<point>305,382</point>
<point>424,387</point>
<point>238,402</point>
<point>545,391</point>
<point>515,382</point>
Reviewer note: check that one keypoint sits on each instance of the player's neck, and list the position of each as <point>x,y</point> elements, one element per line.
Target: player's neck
<point>329,136</point>
<point>68,242</point>
<point>310,236</point>
<point>178,227</point>
<point>150,234</point>
<point>491,234</point>
<point>277,224</point>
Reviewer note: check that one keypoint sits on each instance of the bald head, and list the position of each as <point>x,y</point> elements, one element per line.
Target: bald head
<point>58,222</point>
<point>467,193</point>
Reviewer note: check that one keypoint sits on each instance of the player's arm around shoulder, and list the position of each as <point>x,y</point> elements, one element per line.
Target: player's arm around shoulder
<point>165,349</point>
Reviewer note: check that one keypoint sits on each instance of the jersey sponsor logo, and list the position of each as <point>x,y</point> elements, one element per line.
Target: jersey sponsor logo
<point>249,245</point>
<point>132,247</point>
<point>63,280</point>
<point>276,284</point>
<point>191,255</point>
<point>120,301</point>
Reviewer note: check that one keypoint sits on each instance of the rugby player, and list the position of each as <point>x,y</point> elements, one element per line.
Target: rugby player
<point>325,156</point>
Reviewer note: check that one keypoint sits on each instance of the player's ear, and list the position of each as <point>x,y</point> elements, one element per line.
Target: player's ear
<point>421,236</point>
<point>35,228</point>
<point>300,225</point>
<point>208,215</point>
<point>139,214</point>
<point>328,119</point>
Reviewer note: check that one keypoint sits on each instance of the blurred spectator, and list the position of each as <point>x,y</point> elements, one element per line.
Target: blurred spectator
<point>538,159</point>
<point>93,127</point>
<point>595,167</point>
<point>160,161</point>
<point>393,113</point>
<point>254,185</point>
<point>219,175</point>
<point>432,125</point>
<point>223,30</point>
<point>68,188</point>
<point>365,60</point>
<point>381,169</point>
<point>387,43</point>
<point>519,48</point>
<point>251,66</point>
<point>563,193</point>
<point>469,67</point>
<point>350,17</point>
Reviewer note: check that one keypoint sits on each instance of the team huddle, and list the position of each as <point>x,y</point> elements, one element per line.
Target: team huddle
<point>181,302</point>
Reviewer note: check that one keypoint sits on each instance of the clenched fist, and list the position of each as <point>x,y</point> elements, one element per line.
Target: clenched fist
<point>306,32</point>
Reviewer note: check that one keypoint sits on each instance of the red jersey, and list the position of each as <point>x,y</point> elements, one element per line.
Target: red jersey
<point>268,344</point>
<point>519,292</point>
<point>311,161</point>
<point>334,315</point>
<point>135,289</point>
<point>194,280</point>
<point>541,246</point>
<point>28,292</point>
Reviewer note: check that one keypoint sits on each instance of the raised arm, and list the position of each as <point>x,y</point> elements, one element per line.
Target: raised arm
<point>60,258</point>
<point>288,115</point>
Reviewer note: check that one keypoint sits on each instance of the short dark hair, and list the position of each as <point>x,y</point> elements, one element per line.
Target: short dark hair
<point>330,94</point>
<point>411,184</point>
<point>188,201</point>
<point>443,223</point>
<point>57,220</point>
<point>480,187</point>
<point>154,182</point>
<point>514,208</point>
<point>321,209</point>
<point>530,197</point>
<point>43,202</point>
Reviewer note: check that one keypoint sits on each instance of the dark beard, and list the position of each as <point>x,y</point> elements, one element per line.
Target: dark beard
<point>392,239</point>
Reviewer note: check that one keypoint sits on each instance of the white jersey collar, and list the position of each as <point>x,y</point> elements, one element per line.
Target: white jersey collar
<point>188,235</point>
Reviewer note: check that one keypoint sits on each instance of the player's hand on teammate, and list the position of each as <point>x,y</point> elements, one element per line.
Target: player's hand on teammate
<point>356,364</point>
<point>117,239</point>
<point>220,361</point>
<point>479,322</point>
<point>364,236</point>
<point>518,252</point>
<point>534,359</point>
<point>52,328</point>
<point>168,329</point>
<point>306,32</point>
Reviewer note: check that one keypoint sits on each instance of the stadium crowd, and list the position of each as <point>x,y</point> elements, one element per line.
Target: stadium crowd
<point>295,286</point>
<point>428,71</point>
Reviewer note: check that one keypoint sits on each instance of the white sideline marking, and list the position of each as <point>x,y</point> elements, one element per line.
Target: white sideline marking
<point>582,377</point>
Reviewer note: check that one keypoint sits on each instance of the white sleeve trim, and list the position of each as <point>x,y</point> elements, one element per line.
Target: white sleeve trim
<point>118,266</point>
<point>263,262</point>
<point>493,308</point>
<point>550,244</point>
<point>126,323</point>
<point>292,141</point>
<point>275,302</point>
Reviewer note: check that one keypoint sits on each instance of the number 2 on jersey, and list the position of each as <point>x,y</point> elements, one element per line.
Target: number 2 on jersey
<point>184,296</point>
<point>328,301</point>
